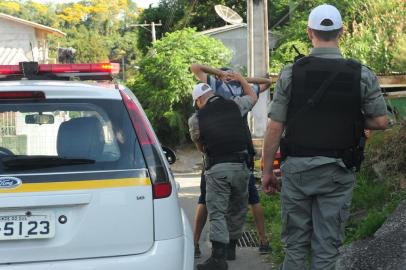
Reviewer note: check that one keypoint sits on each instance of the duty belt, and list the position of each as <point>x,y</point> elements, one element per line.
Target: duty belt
<point>231,158</point>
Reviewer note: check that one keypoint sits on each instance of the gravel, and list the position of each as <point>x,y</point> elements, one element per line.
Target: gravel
<point>385,251</point>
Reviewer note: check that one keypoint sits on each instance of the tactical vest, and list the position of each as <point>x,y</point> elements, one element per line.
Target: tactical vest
<point>222,129</point>
<point>333,124</point>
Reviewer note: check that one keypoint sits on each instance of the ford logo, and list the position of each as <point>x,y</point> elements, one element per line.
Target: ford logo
<point>9,182</point>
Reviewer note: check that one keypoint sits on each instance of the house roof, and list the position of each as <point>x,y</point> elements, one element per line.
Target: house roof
<point>223,29</point>
<point>38,26</point>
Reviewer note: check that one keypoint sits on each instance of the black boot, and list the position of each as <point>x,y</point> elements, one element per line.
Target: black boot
<point>217,261</point>
<point>231,250</point>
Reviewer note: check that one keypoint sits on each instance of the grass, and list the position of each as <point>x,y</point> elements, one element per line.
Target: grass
<point>273,225</point>
<point>373,203</point>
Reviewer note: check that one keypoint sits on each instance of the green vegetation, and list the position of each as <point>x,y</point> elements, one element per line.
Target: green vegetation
<point>373,202</point>
<point>97,29</point>
<point>164,82</point>
<point>374,33</point>
<point>376,195</point>
<point>273,224</point>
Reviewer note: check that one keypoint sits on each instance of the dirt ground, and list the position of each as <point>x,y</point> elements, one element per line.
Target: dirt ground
<point>188,160</point>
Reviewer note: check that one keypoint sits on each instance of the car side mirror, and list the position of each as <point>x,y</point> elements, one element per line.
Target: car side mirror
<point>169,154</point>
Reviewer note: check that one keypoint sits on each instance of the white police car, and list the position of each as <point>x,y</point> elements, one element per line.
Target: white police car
<point>84,183</point>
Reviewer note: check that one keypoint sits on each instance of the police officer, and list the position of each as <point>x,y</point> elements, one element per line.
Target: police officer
<point>323,102</point>
<point>218,130</point>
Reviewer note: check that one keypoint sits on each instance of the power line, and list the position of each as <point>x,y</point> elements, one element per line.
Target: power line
<point>145,25</point>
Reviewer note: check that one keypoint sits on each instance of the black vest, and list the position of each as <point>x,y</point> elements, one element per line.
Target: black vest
<point>222,128</point>
<point>335,122</point>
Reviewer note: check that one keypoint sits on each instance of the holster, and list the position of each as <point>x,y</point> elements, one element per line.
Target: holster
<point>284,148</point>
<point>355,156</point>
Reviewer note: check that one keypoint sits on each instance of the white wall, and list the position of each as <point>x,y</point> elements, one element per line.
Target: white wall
<point>15,41</point>
<point>236,41</point>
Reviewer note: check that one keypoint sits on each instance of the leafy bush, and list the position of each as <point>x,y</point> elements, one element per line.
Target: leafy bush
<point>388,150</point>
<point>165,82</point>
<point>374,33</point>
<point>286,54</point>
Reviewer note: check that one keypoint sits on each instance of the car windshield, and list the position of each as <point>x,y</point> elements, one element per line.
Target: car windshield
<point>67,135</point>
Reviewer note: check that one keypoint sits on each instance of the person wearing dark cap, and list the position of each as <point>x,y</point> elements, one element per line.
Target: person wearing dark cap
<point>321,105</point>
<point>218,130</point>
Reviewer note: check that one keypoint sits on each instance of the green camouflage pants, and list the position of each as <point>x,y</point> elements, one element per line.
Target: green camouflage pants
<point>315,207</point>
<point>227,200</point>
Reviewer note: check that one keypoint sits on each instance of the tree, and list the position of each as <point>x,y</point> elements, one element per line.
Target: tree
<point>90,46</point>
<point>165,82</point>
<point>10,7</point>
<point>377,33</point>
<point>374,30</point>
<point>178,14</point>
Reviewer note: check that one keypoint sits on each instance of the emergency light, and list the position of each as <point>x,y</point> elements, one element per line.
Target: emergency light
<point>33,70</point>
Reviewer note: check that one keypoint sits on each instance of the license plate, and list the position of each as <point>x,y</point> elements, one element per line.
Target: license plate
<point>17,226</point>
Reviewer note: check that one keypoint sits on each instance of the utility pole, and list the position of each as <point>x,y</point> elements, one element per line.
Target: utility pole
<point>145,25</point>
<point>258,60</point>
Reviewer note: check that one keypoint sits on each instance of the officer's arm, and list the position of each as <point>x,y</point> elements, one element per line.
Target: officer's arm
<point>201,72</point>
<point>376,123</point>
<point>195,132</point>
<point>374,105</point>
<point>272,138</point>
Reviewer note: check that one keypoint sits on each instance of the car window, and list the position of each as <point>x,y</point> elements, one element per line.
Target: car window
<point>96,130</point>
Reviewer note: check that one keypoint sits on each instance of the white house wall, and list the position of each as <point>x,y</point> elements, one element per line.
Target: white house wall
<point>15,41</point>
<point>236,41</point>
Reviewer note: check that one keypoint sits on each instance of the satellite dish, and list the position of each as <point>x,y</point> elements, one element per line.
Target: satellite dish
<point>228,15</point>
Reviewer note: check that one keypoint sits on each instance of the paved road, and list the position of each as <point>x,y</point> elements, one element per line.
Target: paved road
<point>247,258</point>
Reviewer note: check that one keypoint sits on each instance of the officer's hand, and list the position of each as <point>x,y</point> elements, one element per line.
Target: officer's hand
<point>270,184</point>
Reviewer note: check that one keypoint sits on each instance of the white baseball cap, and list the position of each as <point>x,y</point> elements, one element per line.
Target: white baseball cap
<point>325,18</point>
<point>199,90</point>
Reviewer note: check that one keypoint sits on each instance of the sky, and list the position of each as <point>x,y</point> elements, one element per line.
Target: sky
<point>140,3</point>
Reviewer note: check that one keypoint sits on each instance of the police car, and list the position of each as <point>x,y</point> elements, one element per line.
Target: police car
<point>84,183</point>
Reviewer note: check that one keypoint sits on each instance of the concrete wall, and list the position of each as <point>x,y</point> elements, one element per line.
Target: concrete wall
<point>15,41</point>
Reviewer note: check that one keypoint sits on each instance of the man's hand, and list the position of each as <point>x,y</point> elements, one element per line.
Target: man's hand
<point>223,76</point>
<point>234,76</point>
<point>270,184</point>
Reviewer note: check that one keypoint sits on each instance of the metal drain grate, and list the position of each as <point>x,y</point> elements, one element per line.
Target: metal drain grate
<point>248,239</point>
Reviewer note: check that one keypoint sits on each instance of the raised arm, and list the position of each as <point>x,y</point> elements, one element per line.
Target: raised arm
<point>234,76</point>
<point>264,83</point>
<point>201,72</point>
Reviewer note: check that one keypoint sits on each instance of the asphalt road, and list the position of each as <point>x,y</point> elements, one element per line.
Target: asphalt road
<point>247,258</point>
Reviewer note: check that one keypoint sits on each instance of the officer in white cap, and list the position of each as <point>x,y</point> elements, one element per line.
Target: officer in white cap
<point>219,131</point>
<point>322,103</point>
